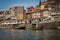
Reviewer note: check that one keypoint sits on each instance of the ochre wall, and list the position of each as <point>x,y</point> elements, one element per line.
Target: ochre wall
<point>20,16</point>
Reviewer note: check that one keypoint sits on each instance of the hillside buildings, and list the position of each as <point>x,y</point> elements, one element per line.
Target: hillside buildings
<point>43,10</point>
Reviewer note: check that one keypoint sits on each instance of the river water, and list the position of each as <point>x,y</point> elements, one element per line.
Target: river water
<point>28,34</point>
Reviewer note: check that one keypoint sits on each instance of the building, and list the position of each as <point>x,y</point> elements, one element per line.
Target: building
<point>44,10</point>
<point>51,6</point>
<point>6,14</point>
<point>37,12</point>
<point>57,6</point>
<point>33,12</point>
<point>29,12</point>
<point>18,11</point>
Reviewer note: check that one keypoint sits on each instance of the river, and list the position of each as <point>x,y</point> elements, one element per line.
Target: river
<point>28,34</point>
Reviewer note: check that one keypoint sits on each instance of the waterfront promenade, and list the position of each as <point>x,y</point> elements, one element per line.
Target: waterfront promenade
<point>45,24</point>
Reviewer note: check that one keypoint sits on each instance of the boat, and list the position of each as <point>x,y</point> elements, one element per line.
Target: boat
<point>19,26</point>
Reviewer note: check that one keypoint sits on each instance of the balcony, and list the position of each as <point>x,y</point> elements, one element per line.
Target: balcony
<point>50,1</point>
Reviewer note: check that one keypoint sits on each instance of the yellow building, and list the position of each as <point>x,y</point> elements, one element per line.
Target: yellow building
<point>44,11</point>
<point>20,16</point>
<point>42,5</point>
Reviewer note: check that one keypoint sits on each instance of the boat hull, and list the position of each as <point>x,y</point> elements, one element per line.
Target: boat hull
<point>20,27</point>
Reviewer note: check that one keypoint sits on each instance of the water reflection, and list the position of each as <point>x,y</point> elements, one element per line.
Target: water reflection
<point>17,34</point>
<point>49,35</point>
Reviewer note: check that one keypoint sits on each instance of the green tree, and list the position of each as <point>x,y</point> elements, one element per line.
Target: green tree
<point>39,4</point>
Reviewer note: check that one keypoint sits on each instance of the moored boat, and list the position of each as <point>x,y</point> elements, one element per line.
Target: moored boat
<point>20,26</point>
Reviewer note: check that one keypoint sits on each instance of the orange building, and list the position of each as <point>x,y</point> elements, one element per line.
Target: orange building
<point>33,12</point>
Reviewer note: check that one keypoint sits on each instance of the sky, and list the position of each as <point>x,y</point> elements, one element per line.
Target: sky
<point>6,4</point>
